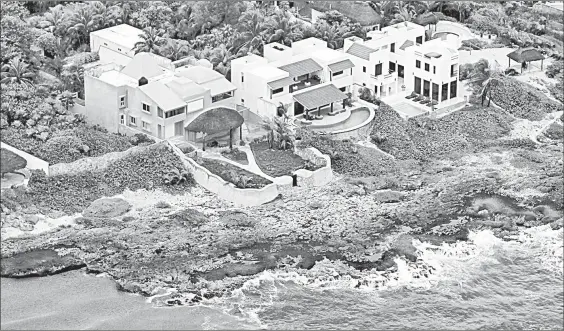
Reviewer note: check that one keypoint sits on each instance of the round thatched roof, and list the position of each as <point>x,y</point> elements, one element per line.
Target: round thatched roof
<point>525,55</point>
<point>216,120</point>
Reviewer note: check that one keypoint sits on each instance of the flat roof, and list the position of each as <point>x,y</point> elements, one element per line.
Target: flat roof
<point>123,34</point>
<point>327,55</point>
<point>116,78</point>
<point>269,72</point>
<point>199,74</point>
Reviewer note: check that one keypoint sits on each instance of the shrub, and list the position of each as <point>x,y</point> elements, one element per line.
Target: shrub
<point>554,69</point>
<point>10,162</point>
<point>242,143</point>
<point>522,100</point>
<point>466,71</point>
<point>148,169</point>
<point>141,139</point>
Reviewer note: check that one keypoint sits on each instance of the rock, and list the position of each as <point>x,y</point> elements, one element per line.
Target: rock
<point>162,204</point>
<point>38,263</point>
<point>557,225</point>
<point>107,208</point>
<point>32,219</point>
<point>31,210</point>
<point>316,205</point>
<point>492,224</point>
<point>56,214</point>
<point>389,196</point>
<point>403,246</point>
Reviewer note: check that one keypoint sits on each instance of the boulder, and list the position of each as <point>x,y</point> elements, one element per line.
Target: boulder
<point>107,208</point>
<point>389,196</point>
<point>38,263</point>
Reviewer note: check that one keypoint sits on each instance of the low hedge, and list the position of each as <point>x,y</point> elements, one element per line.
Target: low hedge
<point>522,100</point>
<point>239,177</point>
<point>155,167</point>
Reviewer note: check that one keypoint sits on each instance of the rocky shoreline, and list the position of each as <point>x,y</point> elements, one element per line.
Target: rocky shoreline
<point>201,247</point>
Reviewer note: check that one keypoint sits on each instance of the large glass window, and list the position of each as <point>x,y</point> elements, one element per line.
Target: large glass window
<point>393,47</point>
<point>392,66</point>
<point>417,85</point>
<point>444,92</point>
<point>378,69</point>
<point>174,112</point>
<point>435,92</point>
<point>426,66</point>
<point>453,87</point>
<point>418,64</point>
<point>426,88</point>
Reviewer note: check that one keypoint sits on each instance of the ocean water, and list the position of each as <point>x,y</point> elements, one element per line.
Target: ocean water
<point>485,283</point>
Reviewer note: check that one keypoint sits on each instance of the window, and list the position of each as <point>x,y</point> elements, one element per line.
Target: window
<point>278,90</point>
<point>363,84</point>
<point>435,92</point>
<point>363,69</point>
<point>343,89</point>
<point>174,112</point>
<point>243,101</point>
<point>453,87</point>
<point>426,66</point>
<point>160,112</point>
<point>418,64</point>
<point>392,67</point>
<point>146,107</point>
<point>417,86</point>
<point>242,78</point>
<point>434,69</point>
<point>132,121</point>
<point>119,49</point>
<point>444,92</point>
<point>419,40</point>
<point>378,69</point>
<point>122,101</point>
<point>426,88</point>
<point>146,126</point>
<point>393,47</point>
<point>122,119</point>
<point>337,73</point>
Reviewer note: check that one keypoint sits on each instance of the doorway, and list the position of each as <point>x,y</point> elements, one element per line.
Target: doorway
<point>400,71</point>
<point>178,128</point>
<point>298,108</point>
<point>159,131</point>
<point>294,180</point>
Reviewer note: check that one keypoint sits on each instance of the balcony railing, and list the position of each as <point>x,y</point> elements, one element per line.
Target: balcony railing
<point>305,84</point>
<point>383,77</point>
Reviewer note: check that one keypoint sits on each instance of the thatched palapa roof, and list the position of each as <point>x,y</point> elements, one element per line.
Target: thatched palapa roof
<point>525,55</point>
<point>216,120</point>
<point>426,19</point>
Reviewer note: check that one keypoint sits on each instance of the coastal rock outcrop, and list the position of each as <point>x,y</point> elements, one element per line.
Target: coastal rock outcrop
<point>38,263</point>
<point>107,208</point>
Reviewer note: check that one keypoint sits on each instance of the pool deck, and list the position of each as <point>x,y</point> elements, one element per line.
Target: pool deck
<point>327,120</point>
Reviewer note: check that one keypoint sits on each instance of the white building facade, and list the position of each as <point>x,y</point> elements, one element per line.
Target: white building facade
<point>284,73</point>
<point>146,97</point>
<point>398,60</point>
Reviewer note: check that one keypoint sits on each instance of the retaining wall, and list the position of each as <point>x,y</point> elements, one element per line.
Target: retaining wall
<point>225,190</point>
<point>318,177</point>
<point>33,162</point>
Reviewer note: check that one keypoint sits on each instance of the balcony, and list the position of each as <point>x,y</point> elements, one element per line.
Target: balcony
<point>454,73</point>
<point>383,77</point>
<point>312,81</point>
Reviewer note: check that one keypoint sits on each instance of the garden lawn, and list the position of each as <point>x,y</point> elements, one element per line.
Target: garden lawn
<point>522,100</point>
<point>276,163</point>
<point>149,169</point>
<point>236,155</point>
<point>233,174</point>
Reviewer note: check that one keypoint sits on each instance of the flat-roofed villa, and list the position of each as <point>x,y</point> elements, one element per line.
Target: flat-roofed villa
<point>308,76</point>
<point>150,95</point>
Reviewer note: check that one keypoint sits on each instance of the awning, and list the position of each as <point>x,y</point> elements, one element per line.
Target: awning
<point>341,65</point>
<point>406,44</point>
<point>219,86</point>
<point>321,96</point>
<point>286,81</point>
<point>300,68</point>
<point>433,54</point>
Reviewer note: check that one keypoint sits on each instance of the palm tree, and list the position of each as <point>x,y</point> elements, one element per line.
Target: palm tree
<point>284,134</point>
<point>485,75</point>
<point>221,59</point>
<point>175,49</point>
<point>268,125</point>
<point>55,19</point>
<point>105,16</point>
<point>17,71</point>
<point>384,8</point>
<point>283,30</point>
<point>252,27</point>
<point>405,14</point>
<point>82,22</point>
<point>151,39</point>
